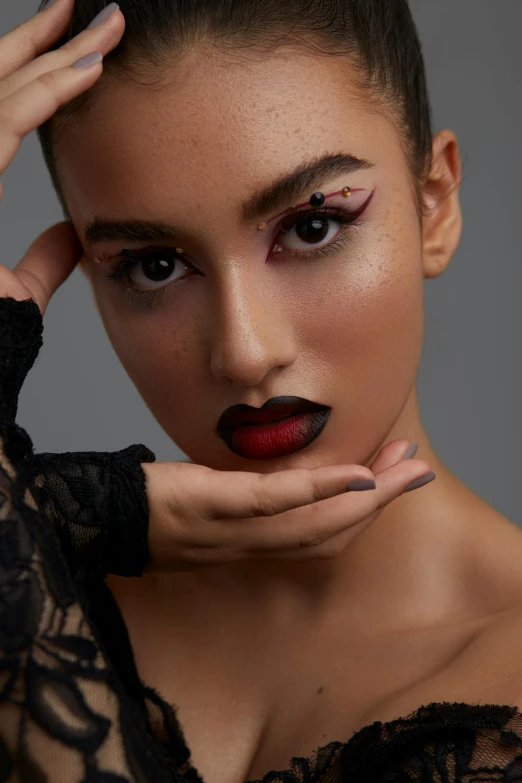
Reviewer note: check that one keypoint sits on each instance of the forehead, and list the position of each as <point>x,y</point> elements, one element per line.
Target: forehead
<point>212,128</point>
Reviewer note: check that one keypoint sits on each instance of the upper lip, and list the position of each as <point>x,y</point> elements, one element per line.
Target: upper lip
<point>274,408</point>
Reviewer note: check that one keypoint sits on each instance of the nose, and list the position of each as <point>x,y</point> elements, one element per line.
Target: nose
<point>253,334</point>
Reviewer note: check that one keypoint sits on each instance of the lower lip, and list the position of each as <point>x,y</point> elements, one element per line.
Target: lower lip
<point>266,441</point>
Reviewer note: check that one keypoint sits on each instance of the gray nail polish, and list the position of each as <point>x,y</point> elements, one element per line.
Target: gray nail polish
<point>48,4</point>
<point>103,15</point>
<point>89,59</point>
<point>360,484</point>
<point>412,450</point>
<point>421,481</point>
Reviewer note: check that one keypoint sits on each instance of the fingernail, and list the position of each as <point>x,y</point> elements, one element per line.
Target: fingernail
<point>48,4</point>
<point>88,60</point>
<point>421,481</point>
<point>412,450</point>
<point>359,484</point>
<point>103,15</point>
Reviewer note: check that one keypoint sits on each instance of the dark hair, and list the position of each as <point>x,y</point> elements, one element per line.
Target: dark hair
<point>378,36</point>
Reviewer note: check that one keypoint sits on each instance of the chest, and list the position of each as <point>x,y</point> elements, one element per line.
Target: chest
<point>247,706</point>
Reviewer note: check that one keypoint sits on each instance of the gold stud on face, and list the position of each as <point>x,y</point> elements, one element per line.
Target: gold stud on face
<point>262,225</point>
<point>179,250</point>
<point>346,191</point>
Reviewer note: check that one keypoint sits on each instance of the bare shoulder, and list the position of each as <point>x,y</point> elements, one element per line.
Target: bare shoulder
<point>487,670</point>
<point>486,663</point>
<point>495,658</point>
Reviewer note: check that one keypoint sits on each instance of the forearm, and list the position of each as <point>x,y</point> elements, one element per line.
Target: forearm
<point>63,711</point>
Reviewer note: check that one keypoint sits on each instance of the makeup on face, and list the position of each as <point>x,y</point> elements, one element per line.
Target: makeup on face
<point>281,426</point>
<point>156,263</point>
<point>317,200</point>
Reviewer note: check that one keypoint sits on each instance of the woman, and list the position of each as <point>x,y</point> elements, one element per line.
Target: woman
<point>285,623</point>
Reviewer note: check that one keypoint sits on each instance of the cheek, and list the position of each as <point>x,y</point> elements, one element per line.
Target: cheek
<point>375,315</point>
<point>366,333</point>
<point>370,334</point>
<point>159,352</point>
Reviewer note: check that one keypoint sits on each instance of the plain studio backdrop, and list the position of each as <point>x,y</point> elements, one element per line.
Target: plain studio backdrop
<point>78,397</point>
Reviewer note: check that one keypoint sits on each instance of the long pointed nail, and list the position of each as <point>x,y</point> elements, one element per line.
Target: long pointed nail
<point>105,14</point>
<point>358,485</point>
<point>421,481</point>
<point>412,450</point>
<point>88,60</point>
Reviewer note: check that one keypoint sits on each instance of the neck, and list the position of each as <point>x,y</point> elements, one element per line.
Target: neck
<point>402,570</point>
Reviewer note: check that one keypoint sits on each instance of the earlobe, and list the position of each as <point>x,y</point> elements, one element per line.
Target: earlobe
<point>442,221</point>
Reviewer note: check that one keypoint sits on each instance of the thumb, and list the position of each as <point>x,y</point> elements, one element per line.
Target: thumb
<point>49,261</point>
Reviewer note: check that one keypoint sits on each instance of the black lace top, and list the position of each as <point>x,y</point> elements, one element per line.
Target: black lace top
<point>72,706</point>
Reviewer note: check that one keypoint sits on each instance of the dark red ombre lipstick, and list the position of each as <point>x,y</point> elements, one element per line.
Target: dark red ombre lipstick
<point>281,426</point>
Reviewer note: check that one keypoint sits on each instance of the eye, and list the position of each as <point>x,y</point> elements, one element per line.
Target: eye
<point>150,268</point>
<point>311,231</point>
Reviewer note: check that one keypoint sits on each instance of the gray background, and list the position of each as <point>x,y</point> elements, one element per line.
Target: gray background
<point>78,397</point>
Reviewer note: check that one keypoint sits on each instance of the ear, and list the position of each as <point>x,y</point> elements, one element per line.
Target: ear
<point>442,220</point>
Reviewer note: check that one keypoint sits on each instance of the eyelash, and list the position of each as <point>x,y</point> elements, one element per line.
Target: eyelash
<point>120,276</point>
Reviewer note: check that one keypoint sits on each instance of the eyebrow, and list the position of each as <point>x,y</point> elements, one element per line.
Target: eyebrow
<point>277,195</point>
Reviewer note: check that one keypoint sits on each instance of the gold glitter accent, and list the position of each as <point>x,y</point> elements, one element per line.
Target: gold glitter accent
<point>346,191</point>
<point>291,210</point>
<point>262,225</point>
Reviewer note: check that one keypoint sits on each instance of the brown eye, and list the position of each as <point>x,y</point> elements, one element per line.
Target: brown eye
<point>158,266</point>
<point>312,229</point>
<point>305,231</point>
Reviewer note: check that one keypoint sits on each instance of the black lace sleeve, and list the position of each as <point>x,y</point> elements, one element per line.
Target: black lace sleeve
<point>64,714</point>
<point>97,503</point>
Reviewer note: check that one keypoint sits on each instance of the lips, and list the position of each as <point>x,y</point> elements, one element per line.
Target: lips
<point>274,409</point>
<point>248,432</point>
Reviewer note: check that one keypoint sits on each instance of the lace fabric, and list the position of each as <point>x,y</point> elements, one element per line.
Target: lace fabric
<point>97,503</point>
<point>72,706</point>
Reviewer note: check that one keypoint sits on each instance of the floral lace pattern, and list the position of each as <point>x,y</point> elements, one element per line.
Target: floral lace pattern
<point>63,715</point>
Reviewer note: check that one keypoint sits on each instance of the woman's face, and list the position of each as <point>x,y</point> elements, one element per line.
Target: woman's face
<point>244,316</point>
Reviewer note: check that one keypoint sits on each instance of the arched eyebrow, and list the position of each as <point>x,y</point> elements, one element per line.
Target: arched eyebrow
<point>306,178</point>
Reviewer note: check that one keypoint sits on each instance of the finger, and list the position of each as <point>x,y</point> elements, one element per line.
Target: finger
<point>49,261</point>
<point>331,547</point>
<point>26,109</point>
<point>243,495</point>
<point>390,454</point>
<point>102,38</point>
<point>313,524</point>
<point>34,36</point>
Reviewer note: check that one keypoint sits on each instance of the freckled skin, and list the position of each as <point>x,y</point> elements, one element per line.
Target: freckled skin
<point>299,652</point>
<point>360,350</point>
<point>345,331</point>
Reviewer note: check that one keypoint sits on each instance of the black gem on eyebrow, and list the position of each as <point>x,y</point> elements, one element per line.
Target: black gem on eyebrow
<point>283,192</point>
<point>306,177</point>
